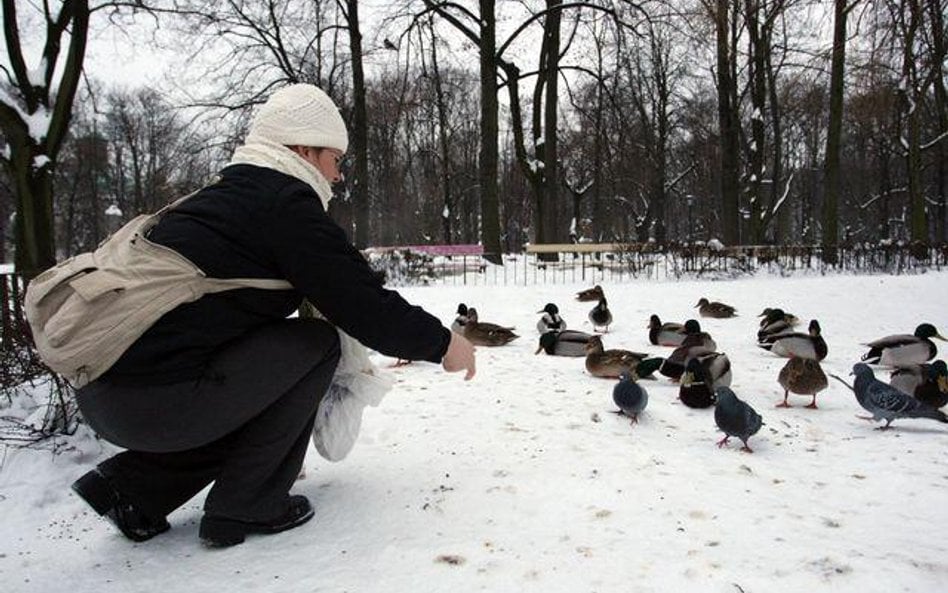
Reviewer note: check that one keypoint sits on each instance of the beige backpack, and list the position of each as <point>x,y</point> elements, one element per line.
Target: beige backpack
<point>86,311</point>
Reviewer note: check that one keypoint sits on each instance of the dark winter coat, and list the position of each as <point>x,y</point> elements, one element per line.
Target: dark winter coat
<point>260,223</point>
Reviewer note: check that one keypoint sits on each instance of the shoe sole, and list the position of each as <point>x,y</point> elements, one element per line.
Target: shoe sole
<point>220,532</point>
<point>95,490</point>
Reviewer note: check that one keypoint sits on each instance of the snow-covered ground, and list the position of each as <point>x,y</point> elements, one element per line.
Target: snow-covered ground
<point>520,480</point>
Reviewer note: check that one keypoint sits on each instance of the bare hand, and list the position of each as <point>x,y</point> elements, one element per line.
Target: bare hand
<point>460,356</point>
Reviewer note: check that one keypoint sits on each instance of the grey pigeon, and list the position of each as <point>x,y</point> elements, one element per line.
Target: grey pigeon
<point>887,403</point>
<point>629,396</point>
<point>735,417</point>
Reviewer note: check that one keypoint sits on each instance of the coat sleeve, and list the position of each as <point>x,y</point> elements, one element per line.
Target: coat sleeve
<point>314,255</point>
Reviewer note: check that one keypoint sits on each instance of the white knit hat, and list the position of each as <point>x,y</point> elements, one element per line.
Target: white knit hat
<point>301,115</point>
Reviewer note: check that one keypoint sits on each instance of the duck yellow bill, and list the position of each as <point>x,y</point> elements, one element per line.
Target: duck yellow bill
<point>943,384</point>
<point>940,337</point>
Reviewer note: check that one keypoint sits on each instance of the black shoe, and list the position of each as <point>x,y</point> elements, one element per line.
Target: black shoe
<point>221,532</point>
<point>98,491</point>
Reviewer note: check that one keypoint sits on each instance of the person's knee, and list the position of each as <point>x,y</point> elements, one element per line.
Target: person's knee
<point>318,336</point>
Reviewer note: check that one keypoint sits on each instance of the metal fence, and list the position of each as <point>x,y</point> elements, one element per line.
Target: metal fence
<point>615,262</point>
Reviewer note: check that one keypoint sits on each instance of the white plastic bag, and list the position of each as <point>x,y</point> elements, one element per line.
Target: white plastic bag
<point>357,384</point>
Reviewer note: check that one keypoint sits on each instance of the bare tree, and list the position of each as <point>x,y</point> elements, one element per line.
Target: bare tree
<point>35,110</point>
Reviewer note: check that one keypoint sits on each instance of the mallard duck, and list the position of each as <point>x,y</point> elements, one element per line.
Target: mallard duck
<point>717,368</point>
<point>648,366</point>
<point>461,320</point>
<point>610,363</point>
<point>770,315</point>
<point>925,382</point>
<point>803,376</point>
<point>565,343</point>
<point>695,390</point>
<point>775,322</point>
<point>695,337</point>
<point>665,334</point>
<point>715,309</point>
<point>794,344</point>
<point>486,334</point>
<point>551,320</point>
<point>902,349</point>
<point>600,316</point>
<point>674,366</point>
<point>630,397</point>
<point>591,294</point>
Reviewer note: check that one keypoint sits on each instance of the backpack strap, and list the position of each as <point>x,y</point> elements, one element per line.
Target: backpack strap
<point>222,284</point>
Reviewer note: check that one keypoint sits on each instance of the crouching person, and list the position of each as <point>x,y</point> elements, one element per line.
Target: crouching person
<point>224,390</point>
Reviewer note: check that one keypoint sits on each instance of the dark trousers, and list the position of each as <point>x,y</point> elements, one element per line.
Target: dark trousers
<point>245,426</point>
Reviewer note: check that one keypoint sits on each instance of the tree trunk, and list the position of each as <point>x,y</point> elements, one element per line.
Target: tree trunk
<point>448,211</point>
<point>728,124</point>
<point>32,153</point>
<point>939,55</point>
<point>912,96</point>
<point>550,174</point>
<point>758,94</point>
<point>359,190</point>
<point>490,206</point>
<point>831,174</point>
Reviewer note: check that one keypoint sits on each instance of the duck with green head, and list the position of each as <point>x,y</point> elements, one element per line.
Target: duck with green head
<point>665,334</point>
<point>551,320</point>
<point>565,343</point>
<point>772,314</point>
<point>926,382</point>
<point>904,349</point>
<point>799,345</point>
<point>775,322</point>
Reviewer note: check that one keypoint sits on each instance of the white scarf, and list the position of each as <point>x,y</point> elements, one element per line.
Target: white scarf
<point>357,382</point>
<point>261,152</point>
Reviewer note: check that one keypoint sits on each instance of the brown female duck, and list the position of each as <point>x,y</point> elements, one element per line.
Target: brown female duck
<point>610,363</point>
<point>715,309</point>
<point>802,376</point>
<point>486,334</point>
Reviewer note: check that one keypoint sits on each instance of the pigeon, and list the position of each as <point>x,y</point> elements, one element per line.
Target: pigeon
<point>887,403</point>
<point>928,383</point>
<point>794,344</point>
<point>735,418</point>
<point>629,396</point>
<point>600,315</point>
<point>902,349</point>
<point>715,309</point>
<point>551,320</point>
<point>803,376</point>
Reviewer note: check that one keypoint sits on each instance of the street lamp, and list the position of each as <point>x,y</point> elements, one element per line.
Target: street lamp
<point>690,200</point>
